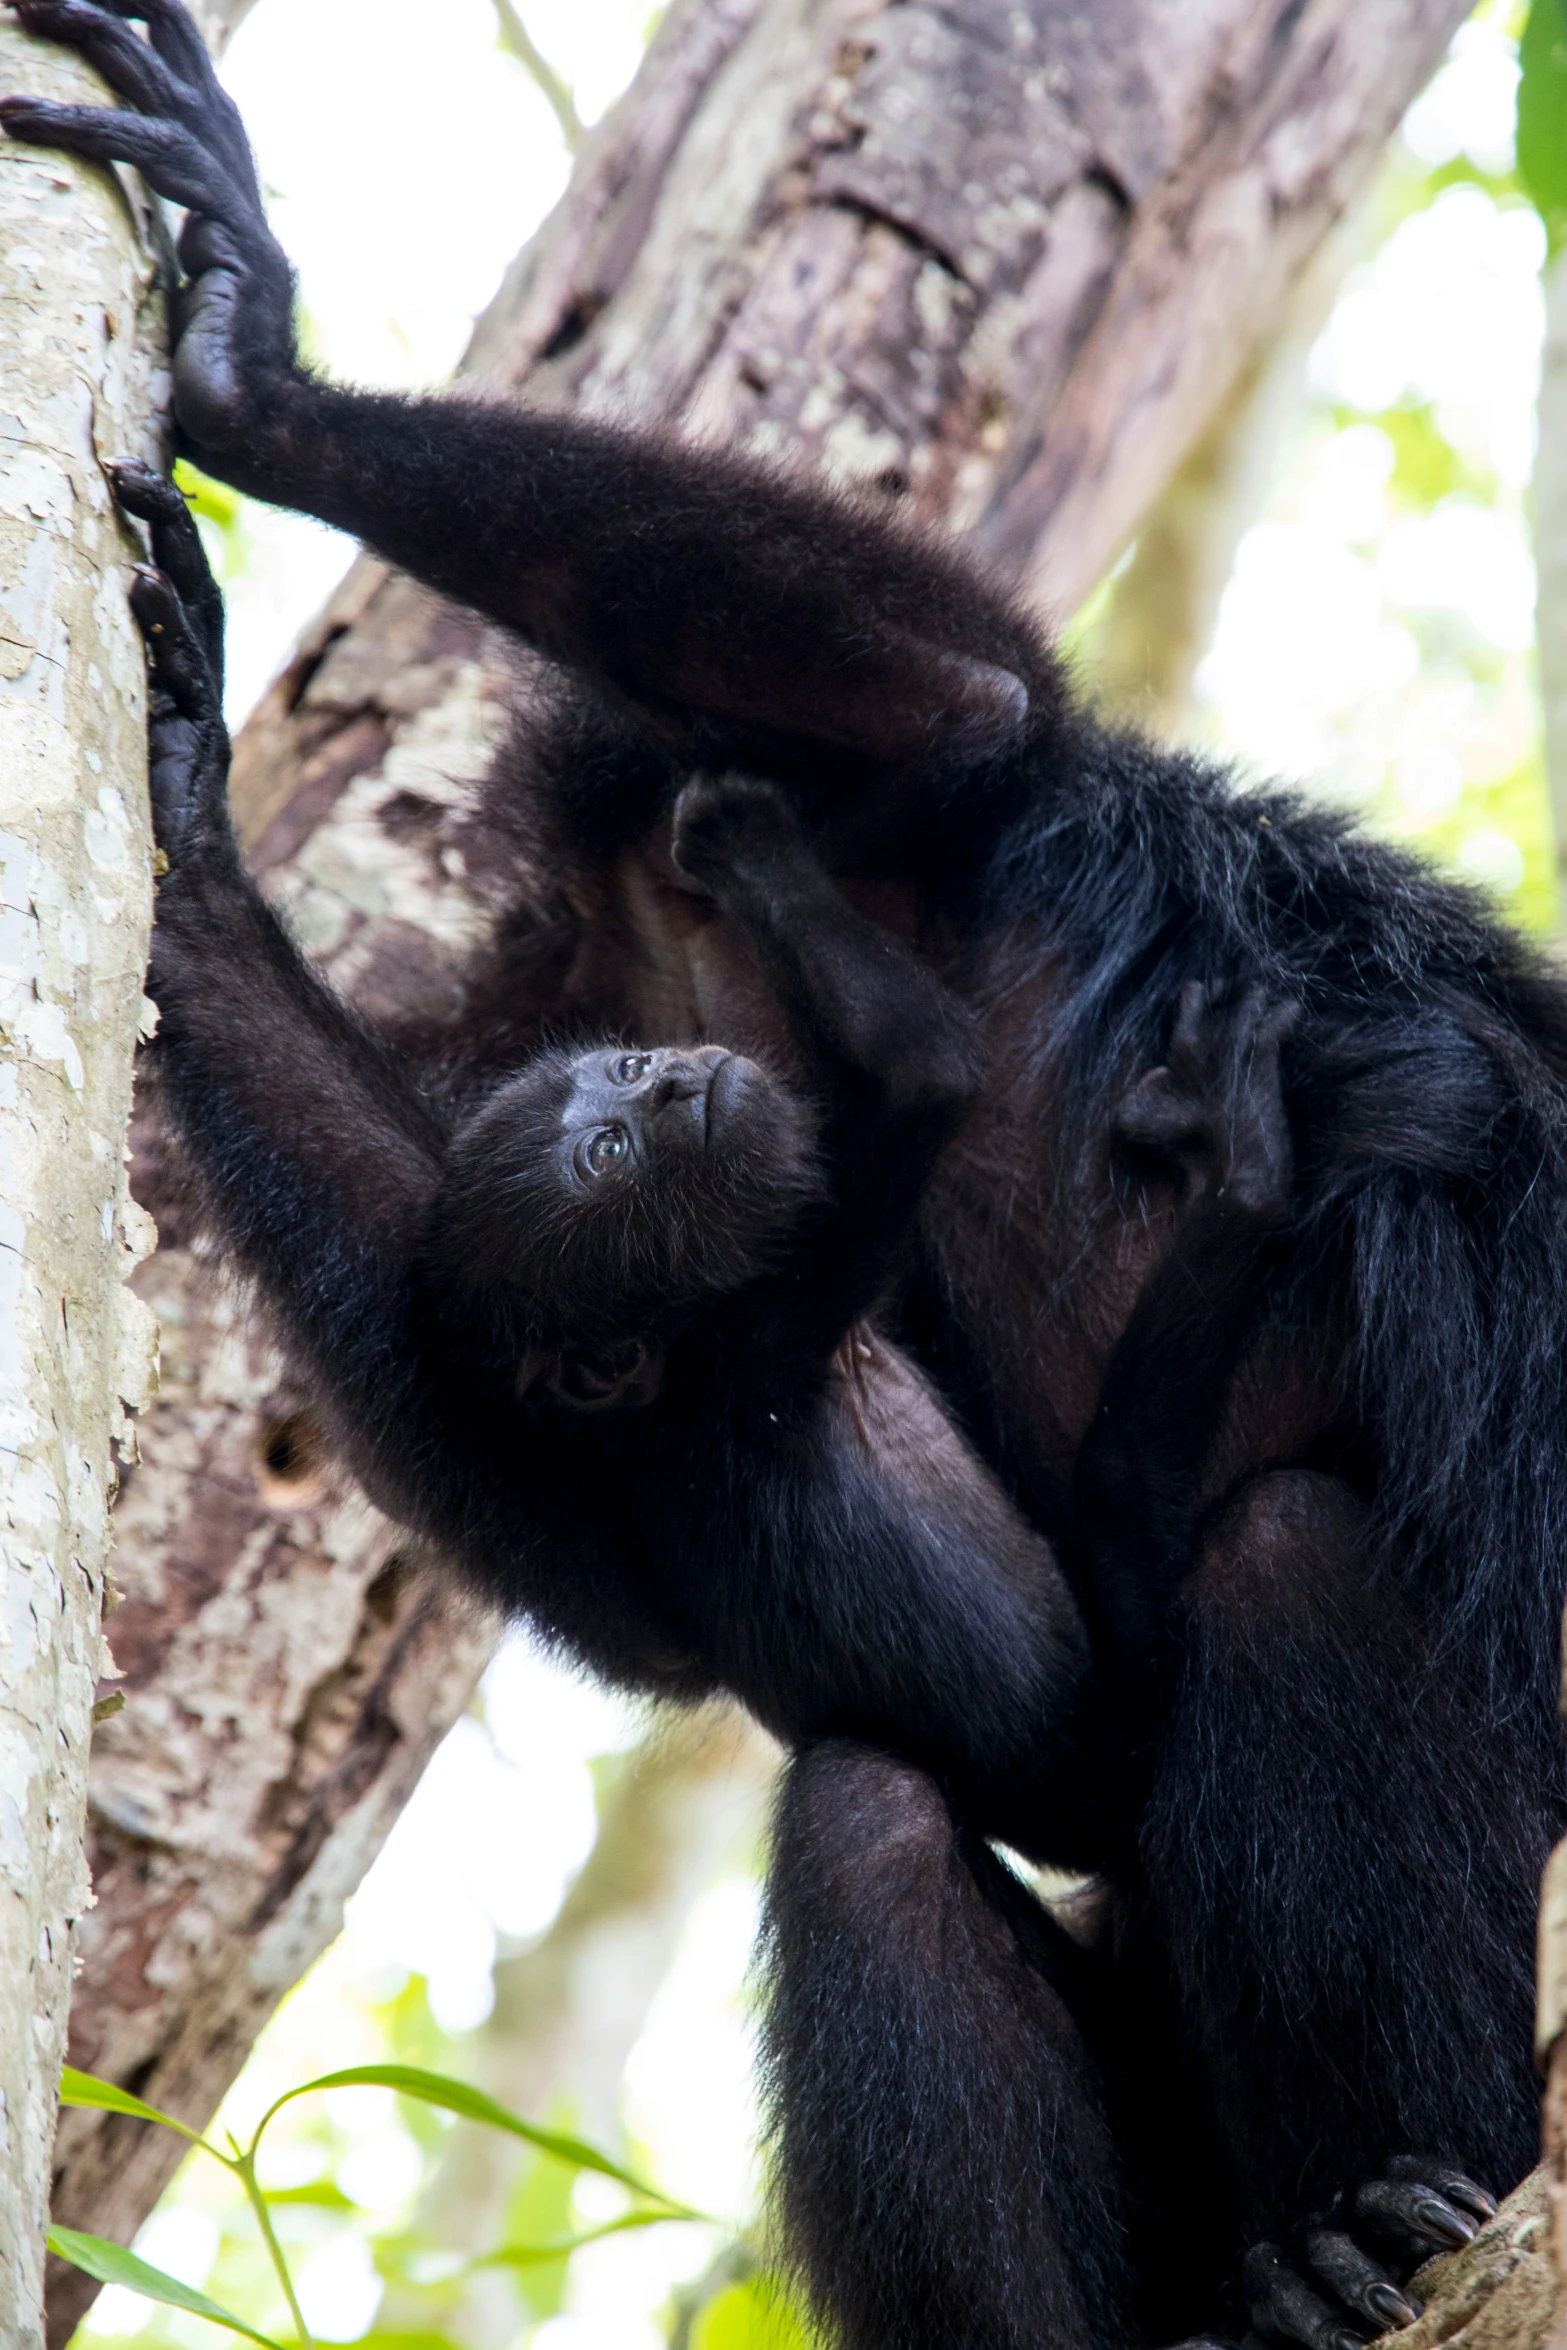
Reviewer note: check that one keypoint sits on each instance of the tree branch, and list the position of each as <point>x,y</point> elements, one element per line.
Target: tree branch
<point>518,42</point>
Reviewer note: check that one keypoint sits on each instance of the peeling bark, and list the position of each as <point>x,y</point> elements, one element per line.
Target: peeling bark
<point>996,264</point>
<point>80,361</point>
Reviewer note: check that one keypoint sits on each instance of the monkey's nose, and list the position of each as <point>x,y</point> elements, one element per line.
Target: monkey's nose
<point>677,1081</point>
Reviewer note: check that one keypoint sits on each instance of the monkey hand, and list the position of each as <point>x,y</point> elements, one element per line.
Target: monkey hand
<point>1215,1107</point>
<point>1327,2287</point>
<point>180,612</point>
<point>234,332</point>
<point>732,829</point>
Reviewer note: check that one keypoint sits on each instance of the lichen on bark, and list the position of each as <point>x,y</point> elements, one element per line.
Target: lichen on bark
<point>80,355</point>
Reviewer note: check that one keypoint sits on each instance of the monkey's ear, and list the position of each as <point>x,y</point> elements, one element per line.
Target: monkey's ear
<point>613,1379</point>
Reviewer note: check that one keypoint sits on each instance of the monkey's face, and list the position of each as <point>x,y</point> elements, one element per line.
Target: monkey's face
<point>597,1202</point>
<point>652,1117</point>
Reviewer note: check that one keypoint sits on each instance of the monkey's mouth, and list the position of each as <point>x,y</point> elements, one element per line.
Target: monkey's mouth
<point>727,1086</point>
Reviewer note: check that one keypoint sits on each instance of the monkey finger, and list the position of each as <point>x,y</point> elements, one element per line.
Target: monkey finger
<point>723,821</point>
<point>1193,1006</point>
<point>184,770</point>
<point>1280,1022</point>
<point>172,161</point>
<point>201,102</point>
<point>1413,2212</point>
<point>173,34</point>
<point>128,66</point>
<point>177,548</point>
<point>1281,2304</point>
<point>1354,2278</point>
<point>1157,1115</point>
<point>176,658</point>
<point>171,78</point>
<point>1448,2181</point>
<point>206,244</point>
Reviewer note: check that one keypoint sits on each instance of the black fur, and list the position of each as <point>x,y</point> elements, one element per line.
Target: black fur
<point>1322,1881</point>
<point>635,1397</point>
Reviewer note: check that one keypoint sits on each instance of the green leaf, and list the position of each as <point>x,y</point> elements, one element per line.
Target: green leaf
<point>385,2341</point>
<point>103,2097</point>
<point>460,2098</point>
<point>535,2255</point>
<point>213,500</point>
<point>322,2195</point>
<point>752,2316</point>
<point>111,2264</point>
<point>1542,113</point>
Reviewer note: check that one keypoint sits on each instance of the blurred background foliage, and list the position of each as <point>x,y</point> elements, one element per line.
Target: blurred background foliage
<point>1339,588</point>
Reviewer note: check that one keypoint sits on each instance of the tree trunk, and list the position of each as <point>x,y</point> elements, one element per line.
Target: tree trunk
<point>1142,659</point>
<point>998,264</point>
<point>220,20</point>
<point>81,335</point>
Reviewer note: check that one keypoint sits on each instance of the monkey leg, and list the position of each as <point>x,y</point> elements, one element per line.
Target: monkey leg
<point>945,2172</point>
<point>1340,1860</point>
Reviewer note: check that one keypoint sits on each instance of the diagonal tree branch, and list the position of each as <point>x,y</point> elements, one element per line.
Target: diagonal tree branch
<point>518,42</point>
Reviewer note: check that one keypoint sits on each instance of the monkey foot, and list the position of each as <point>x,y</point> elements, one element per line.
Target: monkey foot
<point>1341,2279</point>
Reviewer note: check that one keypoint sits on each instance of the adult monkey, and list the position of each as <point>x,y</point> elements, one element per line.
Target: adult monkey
<point>601,1335</point>
<point>1324,1899</point>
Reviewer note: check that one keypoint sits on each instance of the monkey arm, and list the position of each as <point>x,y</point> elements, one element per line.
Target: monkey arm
<point>318,1156</point>
<point>318,1153</point>
<point>738,613</point>
<point>1218,1108</point>
<point>872,1579</point>
<point>892,1054</point>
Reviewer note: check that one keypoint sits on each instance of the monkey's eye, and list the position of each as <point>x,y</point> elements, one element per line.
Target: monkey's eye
<point>630,1067</point>
<point>606,1152</point>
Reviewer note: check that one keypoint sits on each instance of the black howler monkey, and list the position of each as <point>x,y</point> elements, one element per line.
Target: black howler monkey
<point>1324,1875</point>
<point>603,1336</point>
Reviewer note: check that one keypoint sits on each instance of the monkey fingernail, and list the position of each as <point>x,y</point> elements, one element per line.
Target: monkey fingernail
<point>1441,2220</point>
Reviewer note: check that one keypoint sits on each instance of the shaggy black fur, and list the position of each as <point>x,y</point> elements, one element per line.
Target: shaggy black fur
<point>601,1337</point>
<point>1322,1876</point>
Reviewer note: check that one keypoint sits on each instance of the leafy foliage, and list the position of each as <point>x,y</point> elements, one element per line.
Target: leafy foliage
<point>1542,115</point>
<point>113,2264</point>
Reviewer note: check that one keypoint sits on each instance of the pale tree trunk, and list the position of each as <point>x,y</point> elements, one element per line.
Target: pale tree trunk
<point>220,20</point>
<point>81,377</point>
<point>999,264</point>
<point>1142,660</point>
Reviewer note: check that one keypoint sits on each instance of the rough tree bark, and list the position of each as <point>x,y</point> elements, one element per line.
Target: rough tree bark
<point>81,376</point>
<point>996,263</point>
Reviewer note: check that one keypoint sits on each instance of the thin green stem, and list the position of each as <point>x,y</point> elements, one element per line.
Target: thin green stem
<point>246,2167</point>
<point>518,42</point>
